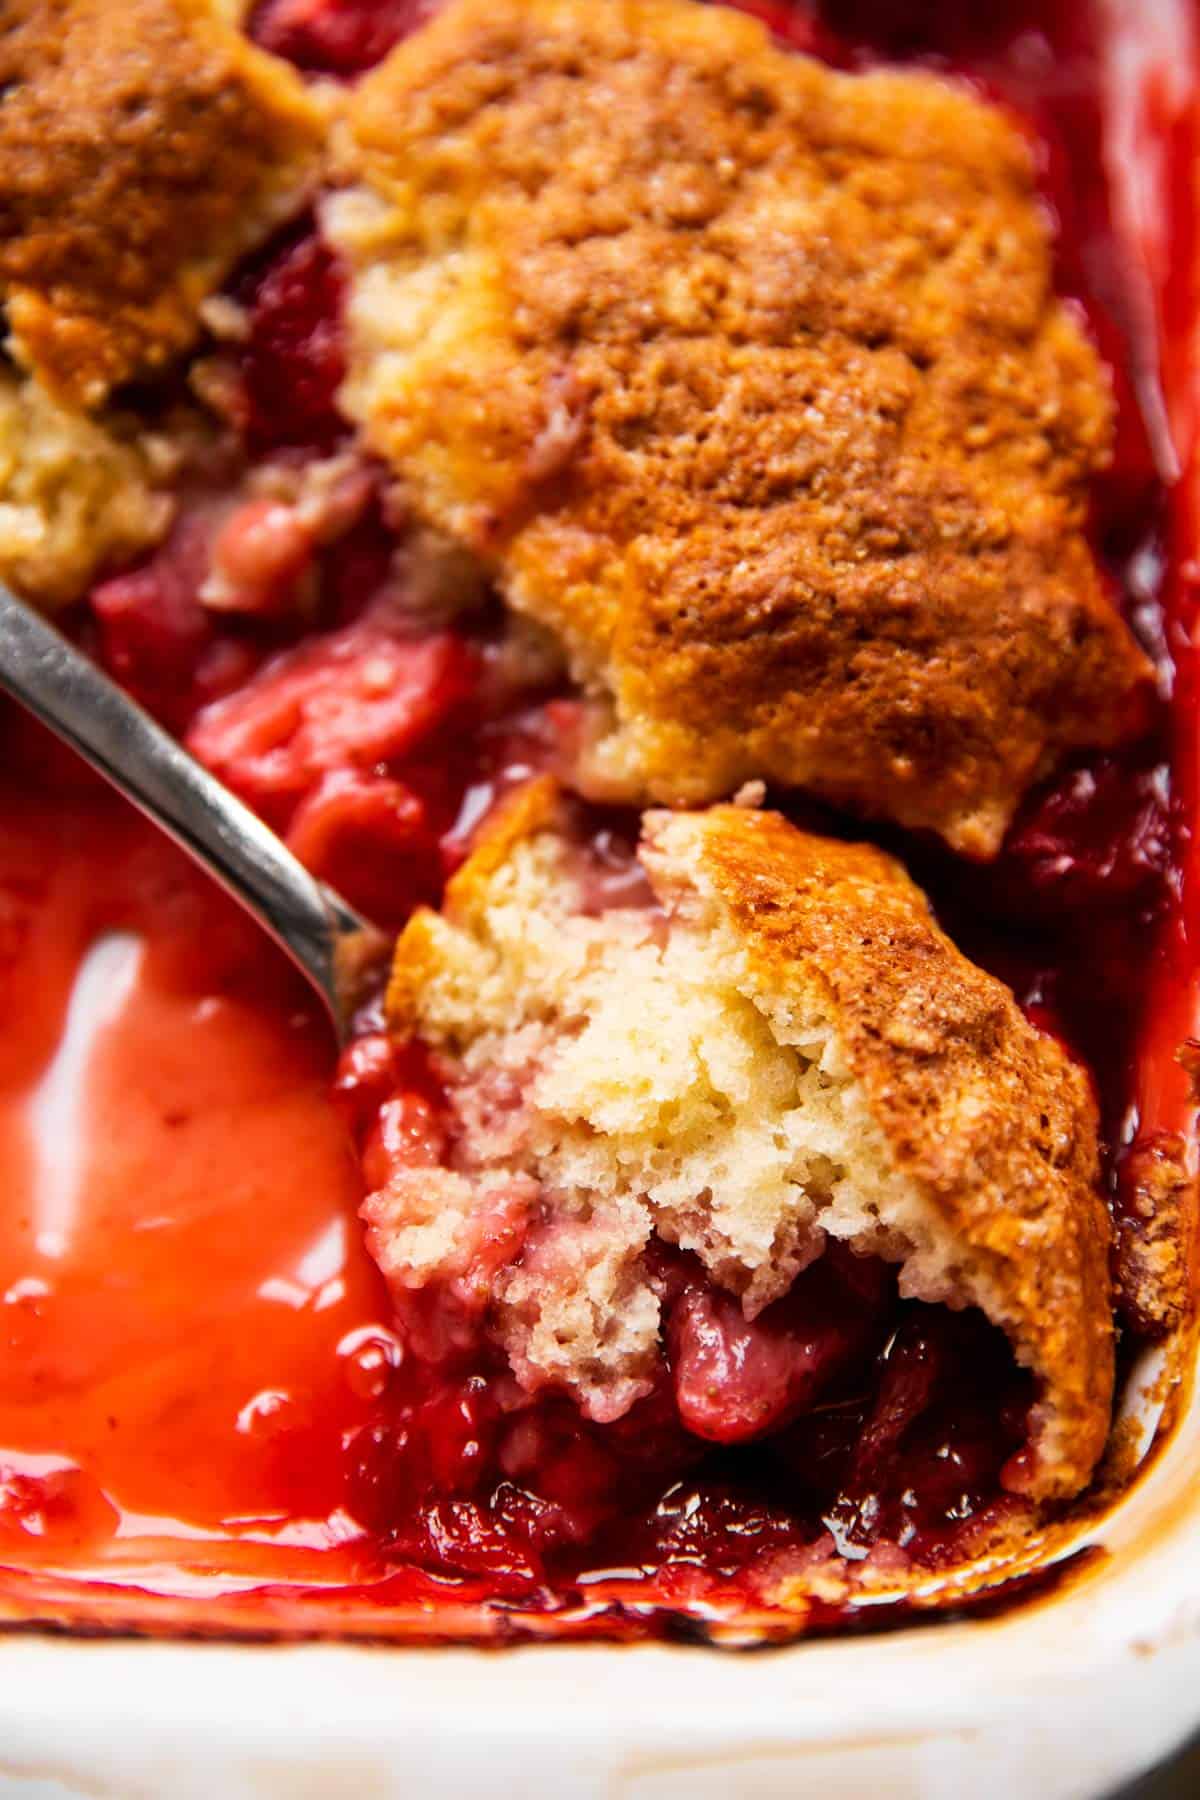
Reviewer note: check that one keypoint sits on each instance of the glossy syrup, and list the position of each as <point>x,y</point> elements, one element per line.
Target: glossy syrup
<point>202,1403</point>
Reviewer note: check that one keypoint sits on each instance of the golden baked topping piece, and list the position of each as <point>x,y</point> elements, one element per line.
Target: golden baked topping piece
<point>783,1052</point>
<point>748,379</point>
<point>77,494</point>
<point>144,146</point>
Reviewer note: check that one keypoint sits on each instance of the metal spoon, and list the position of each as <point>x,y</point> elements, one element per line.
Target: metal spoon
<point>326,939</point>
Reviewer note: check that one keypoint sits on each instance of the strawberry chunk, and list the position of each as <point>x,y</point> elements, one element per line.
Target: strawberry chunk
<point>158,640</point>
<point>370,838</point>
<point>350,701</point>
<point>259,556</point>
<point>293,361</point>
<point>1099,836</point>
<point>736,1378</point>
<point>336,37</point>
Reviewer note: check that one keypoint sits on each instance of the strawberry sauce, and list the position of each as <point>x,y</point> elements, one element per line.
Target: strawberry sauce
<point>211,1418</point>
<point>186,1306</point>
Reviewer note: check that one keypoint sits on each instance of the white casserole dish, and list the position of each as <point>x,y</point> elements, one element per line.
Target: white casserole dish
<point>1061,1699</point>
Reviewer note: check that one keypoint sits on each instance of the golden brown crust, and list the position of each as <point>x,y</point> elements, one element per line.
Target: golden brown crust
<point>1157,1208</point>
<point>535,806</point>
<point>749,379</point>
<point>144,147</point>
<point>986,1116</point>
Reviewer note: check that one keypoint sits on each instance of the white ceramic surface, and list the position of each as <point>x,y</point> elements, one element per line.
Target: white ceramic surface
<point>1061,1700</point>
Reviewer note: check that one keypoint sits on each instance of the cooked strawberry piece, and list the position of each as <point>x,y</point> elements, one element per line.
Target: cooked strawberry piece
<point>369,837</point>
<point>409,1132</point>
<point>550,1450</point>
<point>375,1070</point>
<point>150,618</point>
<point>948,1412</point>
<point>336,37</point>
<point>366,1075</point>
<point>737,1378</point>
<point>259,556</point>
<point>351,701</point>
<point>463,1540</point>
<point>438,1444</point>
<point>1098,837</point>
<point>156,637</point>
<point>913,1364</point>
<point>718,1528</point>
<point>540,1524</point>
<point>292,362</point>
<point>152,629</point>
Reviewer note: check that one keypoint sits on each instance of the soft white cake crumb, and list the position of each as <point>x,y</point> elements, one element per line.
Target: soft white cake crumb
<point>627,1068</point>
<point>75,495</point>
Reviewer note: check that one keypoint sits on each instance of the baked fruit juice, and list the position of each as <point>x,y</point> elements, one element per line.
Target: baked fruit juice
<point>700,1228</point>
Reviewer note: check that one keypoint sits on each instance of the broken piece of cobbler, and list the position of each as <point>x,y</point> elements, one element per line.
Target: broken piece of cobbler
<point>748,380</point>
<point>771,1051</point>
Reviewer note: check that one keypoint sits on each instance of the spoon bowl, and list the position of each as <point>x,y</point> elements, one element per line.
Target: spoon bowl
<point>336,949</point>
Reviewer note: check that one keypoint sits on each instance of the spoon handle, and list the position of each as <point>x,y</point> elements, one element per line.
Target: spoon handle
<point>329,942</point>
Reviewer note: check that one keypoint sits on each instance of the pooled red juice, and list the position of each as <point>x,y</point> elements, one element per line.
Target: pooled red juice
<point>185,1300</point>
<point>208,1419</point>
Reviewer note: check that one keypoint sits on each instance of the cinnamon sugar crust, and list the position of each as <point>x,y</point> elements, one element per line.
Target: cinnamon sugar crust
<point>144,147</point>
<point>747,378</point>
<point>802,1056</point>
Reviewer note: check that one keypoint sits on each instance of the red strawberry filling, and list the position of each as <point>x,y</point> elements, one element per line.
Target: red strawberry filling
<point>287,631</point>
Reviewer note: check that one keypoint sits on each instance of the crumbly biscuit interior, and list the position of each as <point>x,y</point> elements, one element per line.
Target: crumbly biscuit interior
<point>77,494</point>
<point>622,1065</point>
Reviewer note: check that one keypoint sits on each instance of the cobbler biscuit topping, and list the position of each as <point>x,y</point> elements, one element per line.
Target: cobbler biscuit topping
<point>76,493</point>
<point>144,148</point>
<point>748,380</point>
<point>794,1053</point>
